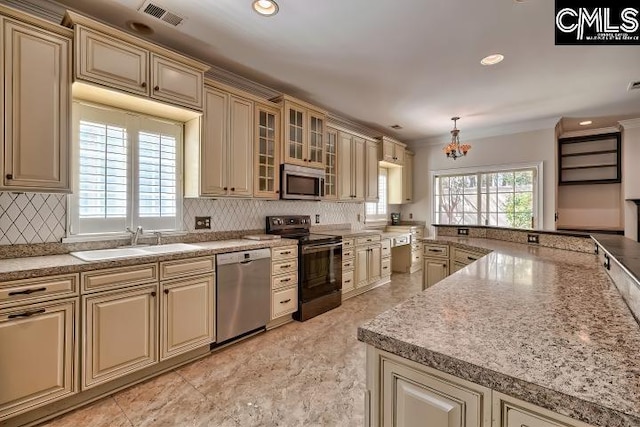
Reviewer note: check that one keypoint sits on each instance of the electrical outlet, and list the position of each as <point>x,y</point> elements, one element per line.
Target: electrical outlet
<point>533,238</point>
<point>203,223</point>
<point>358,218</point>
<point>317,218</point>
<point>410,216</point>
<point>463,231</point>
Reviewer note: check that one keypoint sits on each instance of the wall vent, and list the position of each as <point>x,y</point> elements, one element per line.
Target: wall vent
<point>161,13</point>
<point>634,85</point>
<point>397,127</point>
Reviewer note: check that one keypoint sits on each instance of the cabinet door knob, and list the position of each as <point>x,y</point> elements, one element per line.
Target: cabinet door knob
<point>143,84</point>
<point>166,291</point>
<point>153,294</point>
<point>9,176</point>
<point>444,265</point>
<point>305,160</point>
<point>277,191</point>
<point>233,188</point>
<point>156,88</point>
<point>224,188</point>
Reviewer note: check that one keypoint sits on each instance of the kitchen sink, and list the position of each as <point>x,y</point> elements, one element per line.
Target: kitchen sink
<point>173,247</point>
<point>107,254</point>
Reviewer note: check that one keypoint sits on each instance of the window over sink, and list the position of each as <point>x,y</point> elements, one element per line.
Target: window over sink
<point>127,171</point>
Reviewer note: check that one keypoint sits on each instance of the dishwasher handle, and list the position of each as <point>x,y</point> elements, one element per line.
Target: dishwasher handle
<point>309,249</point>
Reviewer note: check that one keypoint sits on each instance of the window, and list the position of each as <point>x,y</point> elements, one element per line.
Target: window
<point>378,211</point>
<point>127,171</point>
<point>503,198</point>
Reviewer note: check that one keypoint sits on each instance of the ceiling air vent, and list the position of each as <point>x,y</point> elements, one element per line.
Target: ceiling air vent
<point>159,12</point>
<point>396,127</point>
<point>634,85</point>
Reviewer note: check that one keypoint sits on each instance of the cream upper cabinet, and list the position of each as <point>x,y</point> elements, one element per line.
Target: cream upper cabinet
<point>304,128</point>
<point>119,332</point>
<point>37,102</point>
<point>220,163</point>
<point>38,355</point>
<point>175,82</point>
<point>117,60</point>
<point>401,182</point>
<point>371,161</point>
<point>266,171</point>
<point>111,62</point>
<point>331,165</point>
<point>391,152</point>
<point>352,152</point>
<point>187,315</point>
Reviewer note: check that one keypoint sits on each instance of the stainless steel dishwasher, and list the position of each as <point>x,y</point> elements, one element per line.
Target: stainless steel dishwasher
<point>243,293</point>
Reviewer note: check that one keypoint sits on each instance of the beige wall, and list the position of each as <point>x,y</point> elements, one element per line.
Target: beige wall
<point>631,174</point>
<point>526,147</point>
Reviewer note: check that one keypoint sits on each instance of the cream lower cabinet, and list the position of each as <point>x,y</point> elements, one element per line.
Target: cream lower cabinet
<point>38,355</point>
<point>348,265</point>
<point>119,332</point>
<point>37,105</point>
<point>368,265</point>
<point>410,395</point>
<point>284,281</point>
<point>511,412</point>
<point>434,270</point>
<point>385,269</point>
<point>187,313</point>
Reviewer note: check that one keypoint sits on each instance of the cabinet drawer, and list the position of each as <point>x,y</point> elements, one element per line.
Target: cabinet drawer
<point>347,254</point>
<point>386,250</point>
<point>186,267</point>
<point>348,243</point>
<point>386,267</point>
<point>367,240</point>
<point>283,267</point>
<point>436,251</point>
<point>347,281</point>
<point>347,264</point>
<point>284,302</point>
<point>515,412</point>
<point>465,257</point>
<point>112,278</point>
<point>21,291</point>
<point>284,280</point>
<point>284,252</point>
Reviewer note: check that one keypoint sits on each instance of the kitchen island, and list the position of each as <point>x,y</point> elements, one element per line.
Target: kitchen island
<point>526,335</point>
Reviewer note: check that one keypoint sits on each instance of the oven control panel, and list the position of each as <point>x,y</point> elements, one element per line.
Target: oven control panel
<point>288,222</point>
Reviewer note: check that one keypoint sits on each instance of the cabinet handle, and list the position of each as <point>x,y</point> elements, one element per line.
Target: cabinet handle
<point>347,281</point>
<point>285,301</point>
<point>27,291</point>
<point>285,253</point>
<point>407,199</point>
<point>470,258</point>
<point>27,313</point>
<point>224,188</point>
<point>166,291</point>
<point>305,160</point>
<point>288,279</point>
<point>233,188</point>
<point>435,250</point>
<point>597,250</point>
<point>285,266</point>
<point>277,191</point>
<point>607,262</point>
<point>444,265</point>
<point>143,84</point>
<point>153,294</point>
<point>9,176</point>
<point>156,88</point>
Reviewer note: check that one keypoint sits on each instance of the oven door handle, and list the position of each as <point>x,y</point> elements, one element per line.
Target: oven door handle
<point>318,248</point>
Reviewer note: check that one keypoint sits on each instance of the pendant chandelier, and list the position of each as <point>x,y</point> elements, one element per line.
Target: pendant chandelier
<point>454,149</point>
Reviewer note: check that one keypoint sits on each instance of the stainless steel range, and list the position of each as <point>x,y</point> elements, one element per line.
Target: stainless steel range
<point>319,265</point>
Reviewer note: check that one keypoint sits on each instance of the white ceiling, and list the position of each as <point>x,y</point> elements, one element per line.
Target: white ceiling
<point>410,62</point>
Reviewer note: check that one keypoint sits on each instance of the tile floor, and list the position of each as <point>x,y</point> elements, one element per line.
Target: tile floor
<point>301,374</point>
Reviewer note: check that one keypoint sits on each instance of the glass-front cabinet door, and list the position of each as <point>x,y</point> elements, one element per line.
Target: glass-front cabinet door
<point>267,159</point>
<point>331,165</point>
<point>316,140</point>
<point>295,138</point>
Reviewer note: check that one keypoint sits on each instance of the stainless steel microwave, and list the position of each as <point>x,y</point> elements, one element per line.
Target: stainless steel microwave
<point>301,183</point>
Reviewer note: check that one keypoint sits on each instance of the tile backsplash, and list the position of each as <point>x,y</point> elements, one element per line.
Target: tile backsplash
<point>32,218</point>
<point>41,218</point>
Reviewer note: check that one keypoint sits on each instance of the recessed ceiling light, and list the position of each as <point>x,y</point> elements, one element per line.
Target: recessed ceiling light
<point>492,59</point>
<point>140,28</point>
<point>265,7</point>
<point>586,123</point>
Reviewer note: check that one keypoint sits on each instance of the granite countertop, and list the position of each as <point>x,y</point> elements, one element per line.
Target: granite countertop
<point>543,325</point>
<point>624,250</point>
<point>28,267</point>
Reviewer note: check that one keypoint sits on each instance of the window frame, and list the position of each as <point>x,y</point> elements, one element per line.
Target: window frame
<point>134,122</point>
<point>379,217</point>
<point>538,192</point>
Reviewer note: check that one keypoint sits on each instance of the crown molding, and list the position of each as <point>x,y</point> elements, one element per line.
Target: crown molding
<point>590,132</point>
<point>47,10</point>
<point>234,80</point>
<point>630,124</point>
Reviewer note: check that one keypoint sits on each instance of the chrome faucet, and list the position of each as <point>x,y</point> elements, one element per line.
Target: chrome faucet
<point>135,235</point>
<point>158,237</point>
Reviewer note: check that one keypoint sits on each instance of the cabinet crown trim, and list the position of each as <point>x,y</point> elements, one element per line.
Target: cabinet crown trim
<point>283,98</point>
<point>71,19</point>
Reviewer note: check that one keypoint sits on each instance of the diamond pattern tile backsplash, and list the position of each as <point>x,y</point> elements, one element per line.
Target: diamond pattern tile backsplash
<point>239,214</point>
<point>32,218</point>
<point>41,218</point>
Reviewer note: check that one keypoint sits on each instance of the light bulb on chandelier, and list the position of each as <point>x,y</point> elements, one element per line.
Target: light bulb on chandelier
<point>454,149</point>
